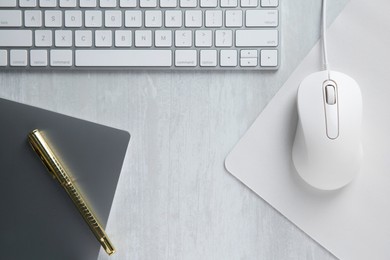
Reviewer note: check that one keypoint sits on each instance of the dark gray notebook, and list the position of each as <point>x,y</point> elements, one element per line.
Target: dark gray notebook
<point>38,219</point>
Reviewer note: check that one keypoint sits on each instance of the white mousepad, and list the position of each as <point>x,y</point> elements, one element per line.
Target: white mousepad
<point>352,223</point>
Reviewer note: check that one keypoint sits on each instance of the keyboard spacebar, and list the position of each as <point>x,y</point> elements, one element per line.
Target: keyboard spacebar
<point>123,58</point>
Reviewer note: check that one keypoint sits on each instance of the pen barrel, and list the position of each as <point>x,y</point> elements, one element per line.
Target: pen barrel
<point>49,159</point>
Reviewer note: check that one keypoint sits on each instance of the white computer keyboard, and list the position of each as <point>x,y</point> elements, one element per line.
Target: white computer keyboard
<point>173,34</point>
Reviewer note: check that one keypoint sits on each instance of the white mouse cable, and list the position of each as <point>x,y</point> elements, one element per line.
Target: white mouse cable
<point>324,41</point>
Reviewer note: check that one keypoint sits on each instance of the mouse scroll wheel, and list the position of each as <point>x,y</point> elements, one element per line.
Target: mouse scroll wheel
<point>330,94</point>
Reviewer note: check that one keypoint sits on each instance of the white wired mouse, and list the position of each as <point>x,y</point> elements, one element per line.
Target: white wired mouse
<point>327,150</point>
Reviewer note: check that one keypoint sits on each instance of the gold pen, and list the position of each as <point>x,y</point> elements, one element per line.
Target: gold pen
<point>50,160</point>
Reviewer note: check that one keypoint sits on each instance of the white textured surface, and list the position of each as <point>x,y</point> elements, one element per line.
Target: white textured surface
<point>175,200</point>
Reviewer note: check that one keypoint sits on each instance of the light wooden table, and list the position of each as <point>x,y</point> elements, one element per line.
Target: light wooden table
<point>174,199</point>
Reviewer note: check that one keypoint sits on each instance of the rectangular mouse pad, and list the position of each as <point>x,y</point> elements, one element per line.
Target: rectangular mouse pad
<point>352,223</point>
<point>39,220</point>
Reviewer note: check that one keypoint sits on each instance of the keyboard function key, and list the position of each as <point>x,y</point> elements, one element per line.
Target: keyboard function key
<point>228,58</point>
<point>38,58</point>
<point>208,58</point>
<point>10,18</point>
<point>185,58</point>
<point>61,58</point>
<point>248,54</point>
<point>3,58</point>
<point>256,38</point>
<point>269,58</point>
<point>18,58</point>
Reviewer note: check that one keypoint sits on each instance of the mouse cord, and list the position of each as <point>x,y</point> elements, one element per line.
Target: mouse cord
<point>324,42</point>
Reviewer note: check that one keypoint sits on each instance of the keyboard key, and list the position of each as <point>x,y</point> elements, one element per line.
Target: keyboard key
<point>148,3</point>
<point>61,58</point>
<point>143,38</point>
<point>113,18</point>
<point>223,38</point>
<point>93,19</point>
<point>193,18</point>
<point>269,3</point>
<point>27,3</point>
<point>43,38</point>
<point>107,3</point>
<point>213,18</point>
<point>83,38</point>
<point>248,53</point>
<point>48,3</point>
<point>63,38</point>
<point>10,18</point>
<point>128,3</point>
<point>73,19</point>
<point>269,58</point>
<point>183,38</point>
<point>18,58</point>
<point>203,38</point>
<point>3,58</point>
<point>233,18</point>
<point>33,18</point>
<point>38,58</point>
<point>153,19</point>
<point>15,38</point>
<point>185,58</point>
<point>8,3</point>
<point>228,58</point>
<point>168,3</point>
<point>229,3</point>
<point>67,3</point>
<point>123,38</point>
<point>248,62</point>
<point>88,3</point>
<point>103,38</point>
<point>163,38</point>
<point>208,3</point>
<point>256,38</point>
<point>124,58</point>
<point>173,18</point>
<point>133,18</point>
<point>249,3</point>
<point>53,18</point>
<point>188,3</point>
<point>261,18</point>
<point>208,58</point>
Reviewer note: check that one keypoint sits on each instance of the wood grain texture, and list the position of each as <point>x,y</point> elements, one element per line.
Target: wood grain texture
<point>174,199</point>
